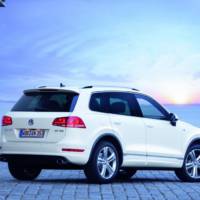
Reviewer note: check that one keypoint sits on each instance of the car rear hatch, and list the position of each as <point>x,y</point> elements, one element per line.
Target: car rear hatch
<point>33,115</point>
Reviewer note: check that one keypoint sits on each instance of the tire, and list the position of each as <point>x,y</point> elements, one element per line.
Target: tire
<point>103,165</point>
<point>126,173</point>
<point>190,171</point>
<point>24,173</point>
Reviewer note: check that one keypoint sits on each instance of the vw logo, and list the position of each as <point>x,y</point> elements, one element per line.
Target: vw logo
<point>30,122</point>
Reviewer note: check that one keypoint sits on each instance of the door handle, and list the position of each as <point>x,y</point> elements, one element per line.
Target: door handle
<point>150,126</point>
<point>117,123</point>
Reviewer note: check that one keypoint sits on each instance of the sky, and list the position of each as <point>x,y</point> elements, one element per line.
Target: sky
<point>152,45</point>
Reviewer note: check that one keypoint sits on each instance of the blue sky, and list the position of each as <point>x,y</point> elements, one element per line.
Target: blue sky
<point>152,45</point>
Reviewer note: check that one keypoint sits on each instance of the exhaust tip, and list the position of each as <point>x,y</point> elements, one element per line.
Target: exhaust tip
<point>61,161</point>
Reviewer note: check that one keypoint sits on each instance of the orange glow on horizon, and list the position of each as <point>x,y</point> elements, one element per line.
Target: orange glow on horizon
<point>178,98</point>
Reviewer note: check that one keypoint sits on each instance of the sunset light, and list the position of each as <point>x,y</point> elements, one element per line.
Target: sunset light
<point>178,93</point>
<point>180,98</point>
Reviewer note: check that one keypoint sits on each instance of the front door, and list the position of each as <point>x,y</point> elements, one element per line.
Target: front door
<point>163,139</point>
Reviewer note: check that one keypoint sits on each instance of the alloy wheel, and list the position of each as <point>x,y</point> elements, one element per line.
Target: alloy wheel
<point>192,164</point>
<point>106,162</point>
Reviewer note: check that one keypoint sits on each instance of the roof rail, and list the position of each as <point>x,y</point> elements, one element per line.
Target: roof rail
<point>135,89</point>
<point>90,86</point>
<point>87,87</point>
<point>43,86</point>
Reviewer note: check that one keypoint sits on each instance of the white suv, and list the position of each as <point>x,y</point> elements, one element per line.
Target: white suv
<point>107,131</point>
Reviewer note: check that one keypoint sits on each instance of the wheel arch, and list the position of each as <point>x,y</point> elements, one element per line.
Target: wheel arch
<point>110,138</point>
<point>194,141</point>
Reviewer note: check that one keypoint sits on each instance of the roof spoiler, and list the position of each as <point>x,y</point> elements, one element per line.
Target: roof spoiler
<point>40,90</point>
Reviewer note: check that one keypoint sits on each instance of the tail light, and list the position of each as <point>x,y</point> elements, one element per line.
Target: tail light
<point>6,121</point>
<point>70,122</point>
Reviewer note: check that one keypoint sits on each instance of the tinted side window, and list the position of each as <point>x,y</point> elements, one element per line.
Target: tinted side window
<point>98,102</point>
<point>150,108</point>
<point>120,103</point>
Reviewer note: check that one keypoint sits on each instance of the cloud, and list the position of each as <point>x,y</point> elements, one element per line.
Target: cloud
<point>132,43</point>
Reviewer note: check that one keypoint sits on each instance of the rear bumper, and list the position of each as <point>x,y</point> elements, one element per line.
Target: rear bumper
<point>41,161</point>
<point>34,149</point>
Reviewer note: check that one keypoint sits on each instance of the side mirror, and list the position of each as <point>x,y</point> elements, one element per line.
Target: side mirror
<point>173,119</point>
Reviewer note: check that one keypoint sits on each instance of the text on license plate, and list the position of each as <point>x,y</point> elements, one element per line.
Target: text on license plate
<point>31,133</point>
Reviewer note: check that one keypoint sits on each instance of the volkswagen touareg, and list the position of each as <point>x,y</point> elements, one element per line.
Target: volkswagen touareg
<point>108,132</point>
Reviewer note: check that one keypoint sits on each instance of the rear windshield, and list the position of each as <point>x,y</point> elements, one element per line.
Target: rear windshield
<point>47,102</point>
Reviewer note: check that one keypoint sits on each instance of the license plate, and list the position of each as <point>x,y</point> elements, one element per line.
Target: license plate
<point>31,133</point>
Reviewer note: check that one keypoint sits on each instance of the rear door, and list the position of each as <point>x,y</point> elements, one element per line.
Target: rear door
<point>125,120</point>
<point>34,113</point>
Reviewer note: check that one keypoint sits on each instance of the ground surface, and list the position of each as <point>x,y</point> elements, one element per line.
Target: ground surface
<point>60,184</point>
